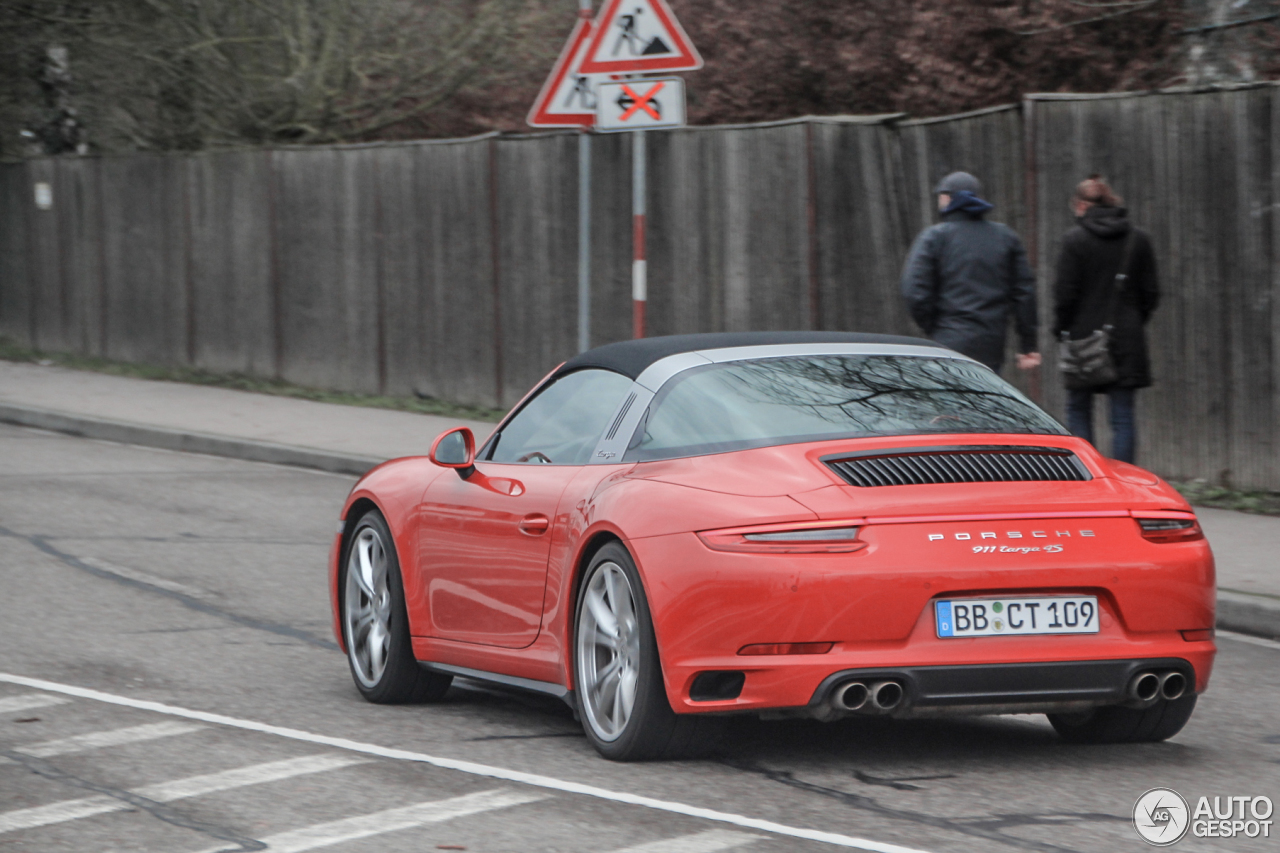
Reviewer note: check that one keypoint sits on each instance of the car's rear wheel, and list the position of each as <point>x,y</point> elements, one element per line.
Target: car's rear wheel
<point>1116,724</point>
<point>375,623</point>
<point>618,682</point>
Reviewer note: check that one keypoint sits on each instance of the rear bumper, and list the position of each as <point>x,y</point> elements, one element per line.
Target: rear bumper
<point>876,608</point>
<point>1006,688</point>
<point>1023,677</point>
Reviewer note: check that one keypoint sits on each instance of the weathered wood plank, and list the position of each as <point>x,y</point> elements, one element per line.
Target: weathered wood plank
<point>459,320</point>
<point>144,244</point>
<point>536,199</point>
<point>328,302</point>
<point>16,287</point>
<point>229,207</point>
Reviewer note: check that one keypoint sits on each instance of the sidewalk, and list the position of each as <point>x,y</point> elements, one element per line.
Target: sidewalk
<point>1247,550</point>
<point>202,419</point>
<point>352,439</point>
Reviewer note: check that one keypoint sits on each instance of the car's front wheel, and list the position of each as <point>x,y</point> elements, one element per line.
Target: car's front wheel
<point>617,673</point>
<point>375,623</point>
<point>1117,724</point>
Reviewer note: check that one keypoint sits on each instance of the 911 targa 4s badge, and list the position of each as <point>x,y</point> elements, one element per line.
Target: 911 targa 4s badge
<point>668,531</point>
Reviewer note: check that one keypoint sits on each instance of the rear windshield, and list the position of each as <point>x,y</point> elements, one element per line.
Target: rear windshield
<point>742,404</point>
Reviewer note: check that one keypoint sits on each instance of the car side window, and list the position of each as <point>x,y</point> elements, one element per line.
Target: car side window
<point>562,424</point>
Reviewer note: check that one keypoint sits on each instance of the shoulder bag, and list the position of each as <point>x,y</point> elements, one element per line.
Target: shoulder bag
<point>1087,362</point>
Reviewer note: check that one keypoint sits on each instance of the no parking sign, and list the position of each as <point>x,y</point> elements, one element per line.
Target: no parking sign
<point>640,104</point>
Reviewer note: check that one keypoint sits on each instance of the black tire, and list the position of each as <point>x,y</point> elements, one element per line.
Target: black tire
<point>652,731</point>
<point>1115,724</point>
<point>399,679</point>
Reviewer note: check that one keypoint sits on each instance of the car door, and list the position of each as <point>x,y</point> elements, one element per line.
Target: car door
<point>484,540</point>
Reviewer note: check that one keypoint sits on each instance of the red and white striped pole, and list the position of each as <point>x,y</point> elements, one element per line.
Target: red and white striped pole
<point>584,221</point>
<point>639,269</point>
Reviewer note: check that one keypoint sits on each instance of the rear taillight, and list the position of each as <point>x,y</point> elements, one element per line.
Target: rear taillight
<point>807,537</point>
<point>1165,530</point>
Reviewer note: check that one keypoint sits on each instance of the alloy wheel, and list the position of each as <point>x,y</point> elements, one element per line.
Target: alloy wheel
<point>368,607</point>
<point>608,640</point>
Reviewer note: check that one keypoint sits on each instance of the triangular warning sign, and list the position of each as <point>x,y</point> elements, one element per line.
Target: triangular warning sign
<point>636,36</point>
<point>569,96</point>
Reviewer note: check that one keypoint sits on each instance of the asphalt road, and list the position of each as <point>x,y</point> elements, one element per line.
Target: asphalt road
<point>200,583</point>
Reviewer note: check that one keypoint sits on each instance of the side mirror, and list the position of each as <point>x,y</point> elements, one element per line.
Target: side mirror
<point>455,449</point>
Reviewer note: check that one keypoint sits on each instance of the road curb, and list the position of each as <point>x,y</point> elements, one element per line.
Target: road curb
<point>1249,614</point>
<point>186,441</point>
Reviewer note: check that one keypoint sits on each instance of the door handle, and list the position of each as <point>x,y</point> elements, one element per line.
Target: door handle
<point>535,524</point>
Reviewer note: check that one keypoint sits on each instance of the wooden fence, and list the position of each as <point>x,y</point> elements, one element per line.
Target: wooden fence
<point>1198,171</point>
<point>449,268</point>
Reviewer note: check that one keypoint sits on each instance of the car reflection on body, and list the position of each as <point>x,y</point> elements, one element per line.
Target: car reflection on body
<point>668,531</point>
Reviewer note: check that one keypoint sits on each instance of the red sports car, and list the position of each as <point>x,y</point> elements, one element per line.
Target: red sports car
<point>670,530</point>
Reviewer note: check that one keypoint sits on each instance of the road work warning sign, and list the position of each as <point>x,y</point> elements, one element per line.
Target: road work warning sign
<point>636,36</point>
<point>568,98</point>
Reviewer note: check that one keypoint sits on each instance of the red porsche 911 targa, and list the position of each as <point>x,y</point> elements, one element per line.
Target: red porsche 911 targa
<point>670,530</point>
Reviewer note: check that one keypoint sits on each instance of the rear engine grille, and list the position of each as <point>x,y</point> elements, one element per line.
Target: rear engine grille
<point>966,464</point>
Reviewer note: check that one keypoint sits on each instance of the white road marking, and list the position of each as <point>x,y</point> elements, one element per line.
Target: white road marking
<point>166,792</point>
<point>1251,640</point>
<point>391,820</point>
<point>59,812</point>
<point>711,841</point>
<point>116,737</point>
<point>144,577</point>
<point>27,701</point>
<point>239,777</point>
<point>535,779</point>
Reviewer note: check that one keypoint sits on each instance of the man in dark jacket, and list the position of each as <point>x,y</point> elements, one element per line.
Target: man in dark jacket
<point>1086,299</point>
<point>965,275</point>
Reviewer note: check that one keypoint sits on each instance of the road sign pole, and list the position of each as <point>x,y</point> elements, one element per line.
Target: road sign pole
<point>584,241</point>
<point>584,223</point>
<point>655,42</point>
<point>639,271</point>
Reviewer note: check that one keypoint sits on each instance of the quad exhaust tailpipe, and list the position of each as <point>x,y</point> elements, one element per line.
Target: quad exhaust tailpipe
<point>887,696</point>
<point>1144,689</point>
<point>1147,688</point>
<point>1172,685</point>
<point>878,697</point>
<point>850,696</point>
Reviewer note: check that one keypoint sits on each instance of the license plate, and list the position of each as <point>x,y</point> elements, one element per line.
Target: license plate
<point>990,617</point>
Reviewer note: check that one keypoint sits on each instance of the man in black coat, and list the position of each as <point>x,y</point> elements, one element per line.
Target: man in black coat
<point>1086,299</point>
<point>965,275</point>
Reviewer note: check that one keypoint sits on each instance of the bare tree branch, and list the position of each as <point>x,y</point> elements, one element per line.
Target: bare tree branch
<point>1130,8</point>
<point>1108,5</point>
<point>185,74</point>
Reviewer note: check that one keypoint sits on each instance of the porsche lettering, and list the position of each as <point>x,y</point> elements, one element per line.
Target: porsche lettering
<point>1015,534</point>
